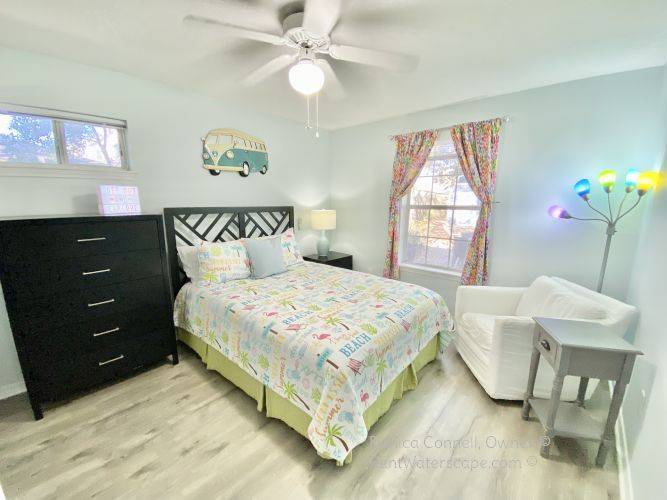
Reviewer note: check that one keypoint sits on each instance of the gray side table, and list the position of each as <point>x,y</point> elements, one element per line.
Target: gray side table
<point>586,350</point>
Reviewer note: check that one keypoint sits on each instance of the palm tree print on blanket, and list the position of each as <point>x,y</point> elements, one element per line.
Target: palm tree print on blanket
<point>327,339</point>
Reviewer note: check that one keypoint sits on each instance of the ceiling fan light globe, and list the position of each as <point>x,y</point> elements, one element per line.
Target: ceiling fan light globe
<point>306,77</point>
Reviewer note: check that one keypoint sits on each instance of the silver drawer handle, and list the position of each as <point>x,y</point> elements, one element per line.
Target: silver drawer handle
<point>545,344</point>
<point>100,271</point>
<point>95,304</point>
<point>86,240</point>
<point>106,332</point>
<point>102,363</point>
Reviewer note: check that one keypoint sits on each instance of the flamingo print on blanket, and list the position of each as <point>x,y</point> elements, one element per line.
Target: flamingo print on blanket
<point>327,339</point>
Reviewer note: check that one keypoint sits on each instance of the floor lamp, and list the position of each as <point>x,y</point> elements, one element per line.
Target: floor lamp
<point>641,183</point>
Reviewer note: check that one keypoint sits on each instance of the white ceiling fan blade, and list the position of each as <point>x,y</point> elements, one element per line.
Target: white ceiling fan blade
<point>332,85</point>
<point>320,16</point>
<point>391,60</point>
<point>230,29</point>
<point>273,66</point>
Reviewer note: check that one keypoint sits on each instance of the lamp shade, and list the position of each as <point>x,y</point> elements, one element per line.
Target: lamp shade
<point>631,179</point>
<point>558,212</point>
<point>323,219</point>
<point>583,188</point>
<point>646,182</point>
<point>607,179</point>
<point>306,77</point>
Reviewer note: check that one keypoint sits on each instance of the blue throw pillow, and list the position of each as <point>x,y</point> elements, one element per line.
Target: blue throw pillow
<point>266,256</point>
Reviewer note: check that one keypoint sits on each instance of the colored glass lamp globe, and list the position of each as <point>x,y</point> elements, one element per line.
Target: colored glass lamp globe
<point>607,179</point>
<point>642,183</point>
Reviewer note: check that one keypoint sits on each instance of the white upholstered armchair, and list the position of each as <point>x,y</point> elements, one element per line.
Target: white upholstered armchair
<point>494,331</point>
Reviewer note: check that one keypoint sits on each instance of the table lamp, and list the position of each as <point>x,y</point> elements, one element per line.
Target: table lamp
<point>323,220</point>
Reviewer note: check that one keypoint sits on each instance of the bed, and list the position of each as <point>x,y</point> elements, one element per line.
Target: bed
<point>324,349</point>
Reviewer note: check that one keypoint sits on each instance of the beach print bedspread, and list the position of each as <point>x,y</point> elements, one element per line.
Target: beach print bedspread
<point>328,339</point>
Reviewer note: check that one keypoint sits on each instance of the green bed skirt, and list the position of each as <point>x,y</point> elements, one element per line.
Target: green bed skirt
<point>283,409</point>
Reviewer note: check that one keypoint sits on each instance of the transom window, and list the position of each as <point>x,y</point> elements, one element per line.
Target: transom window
<point>441,212</point>
<point>35,139</point>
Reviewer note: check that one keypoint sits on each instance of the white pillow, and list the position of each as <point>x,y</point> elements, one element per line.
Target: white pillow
<point>535,296</point>
<point>189,261</point>
<point>568,305</point>
<point>546,297</point>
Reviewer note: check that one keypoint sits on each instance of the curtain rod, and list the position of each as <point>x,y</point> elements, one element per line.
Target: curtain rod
<point>505,118</point>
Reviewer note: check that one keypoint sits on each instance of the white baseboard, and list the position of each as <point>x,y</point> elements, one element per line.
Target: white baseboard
<point>9,390</point>
<point>622,457</point>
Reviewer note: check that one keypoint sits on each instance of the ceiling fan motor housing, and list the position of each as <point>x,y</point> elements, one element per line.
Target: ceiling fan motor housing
<point>297,36</point>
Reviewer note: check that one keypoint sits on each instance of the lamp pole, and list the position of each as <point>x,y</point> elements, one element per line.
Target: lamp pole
<point>611,229</point>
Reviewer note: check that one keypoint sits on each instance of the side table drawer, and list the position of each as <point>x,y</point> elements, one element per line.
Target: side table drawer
<point>547,346</point>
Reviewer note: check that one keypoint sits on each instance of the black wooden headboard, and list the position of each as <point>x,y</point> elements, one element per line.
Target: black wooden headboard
<point>192,225</point>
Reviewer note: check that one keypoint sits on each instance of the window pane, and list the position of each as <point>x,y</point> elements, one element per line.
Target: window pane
<point>415,250</point>
<point>446,147</point>
<point>27,139</point>
<point>464,223</point>
<point>443,190</point>
<point>444,167</point>
<point>437,253</point>
<point>89,144</point>
<point>464,195</point>
<point>427,169</point>
<point>418,223</point>
<point>458,254</point>
<point>421,191</point>
<point>440,224</point>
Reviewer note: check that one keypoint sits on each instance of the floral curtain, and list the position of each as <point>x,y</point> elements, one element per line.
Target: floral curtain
<point>412,151</point>
<point>477,149</point>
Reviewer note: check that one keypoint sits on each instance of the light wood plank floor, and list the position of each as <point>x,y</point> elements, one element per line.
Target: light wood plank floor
<point>184,432</point>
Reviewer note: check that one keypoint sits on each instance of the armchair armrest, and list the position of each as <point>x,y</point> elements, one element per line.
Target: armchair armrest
<point>497,300</point>
<point>511,349</point>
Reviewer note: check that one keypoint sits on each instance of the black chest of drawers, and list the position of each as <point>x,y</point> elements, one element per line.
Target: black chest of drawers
<point>88,300</point>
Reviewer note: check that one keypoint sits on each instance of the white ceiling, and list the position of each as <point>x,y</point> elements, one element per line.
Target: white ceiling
<point>467,49</point>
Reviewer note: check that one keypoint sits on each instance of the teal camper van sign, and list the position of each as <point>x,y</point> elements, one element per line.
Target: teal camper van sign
<point>229,150</point>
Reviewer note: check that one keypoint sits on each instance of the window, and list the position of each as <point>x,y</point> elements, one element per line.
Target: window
<point>32,139</point>
<point>440,212</point>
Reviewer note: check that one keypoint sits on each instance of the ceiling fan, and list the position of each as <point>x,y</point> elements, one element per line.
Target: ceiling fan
<point>308,33</point>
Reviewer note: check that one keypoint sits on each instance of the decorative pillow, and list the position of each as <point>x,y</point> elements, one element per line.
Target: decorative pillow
<point>568,305</point>
<point>266,256</point>
<point>291,252</point>
<point>188,256</point>
<point>535,296</point>
<point>221,262</point>
<point>546,297</point>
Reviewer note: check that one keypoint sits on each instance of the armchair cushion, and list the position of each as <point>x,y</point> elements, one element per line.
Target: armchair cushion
<point>546,297</point>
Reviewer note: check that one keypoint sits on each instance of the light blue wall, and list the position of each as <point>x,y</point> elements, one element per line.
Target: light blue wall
<point>555,136</point>
<point>164,130</point>
<point>645,406</point>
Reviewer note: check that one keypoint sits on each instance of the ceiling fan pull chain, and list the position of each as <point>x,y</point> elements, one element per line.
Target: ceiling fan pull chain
<point>308,112</point>
<point>317,115</point>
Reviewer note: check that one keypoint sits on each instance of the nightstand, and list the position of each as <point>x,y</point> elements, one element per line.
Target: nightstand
<point>586,350</point>
<point>336,259</point>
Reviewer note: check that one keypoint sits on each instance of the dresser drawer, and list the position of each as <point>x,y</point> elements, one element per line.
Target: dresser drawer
<point>54,241</point>
<point>94,303</point>
<point>99,333</point>
<point>78,273</point>
<point>66,374</point>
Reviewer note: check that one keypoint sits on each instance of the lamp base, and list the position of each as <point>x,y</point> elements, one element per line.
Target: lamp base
<point>323,245</point>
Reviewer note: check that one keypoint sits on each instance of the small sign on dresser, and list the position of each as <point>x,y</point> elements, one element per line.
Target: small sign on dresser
<point>118,200</point>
